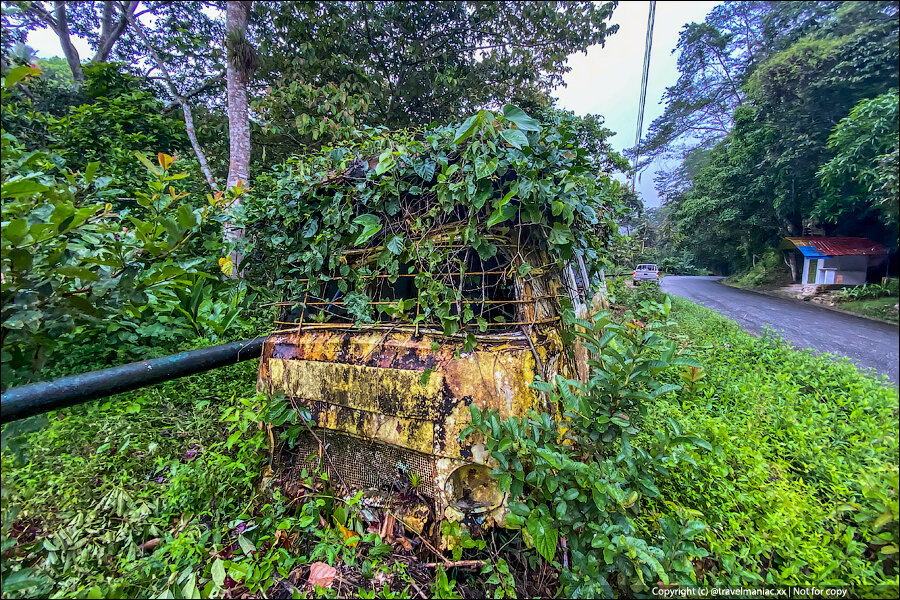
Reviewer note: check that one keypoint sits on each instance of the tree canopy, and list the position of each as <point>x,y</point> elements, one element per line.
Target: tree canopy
<point>788,120</point>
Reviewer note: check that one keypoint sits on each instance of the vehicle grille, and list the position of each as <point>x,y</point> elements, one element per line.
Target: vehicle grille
<point>358,464</point>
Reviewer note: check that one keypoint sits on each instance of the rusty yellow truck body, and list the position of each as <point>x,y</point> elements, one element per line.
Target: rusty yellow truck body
<point>387,403</point>
<point>392,388</point>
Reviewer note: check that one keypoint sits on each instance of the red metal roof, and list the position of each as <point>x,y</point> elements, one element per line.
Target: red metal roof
<point>840,246</point>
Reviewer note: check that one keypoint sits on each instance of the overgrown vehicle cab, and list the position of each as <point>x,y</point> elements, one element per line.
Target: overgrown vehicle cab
<point>429,279</point>
<point>389,400</point>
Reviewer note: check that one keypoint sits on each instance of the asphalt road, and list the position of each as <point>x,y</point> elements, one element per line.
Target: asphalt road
<point>868,343</point>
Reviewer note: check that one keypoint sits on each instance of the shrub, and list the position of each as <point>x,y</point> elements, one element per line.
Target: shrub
<point>578,477</point>
<point>868,291</point>
<point>768,270</point>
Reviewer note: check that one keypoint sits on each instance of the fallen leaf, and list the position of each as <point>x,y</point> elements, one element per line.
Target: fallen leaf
<point>321,574</point>
<point>348,535</point>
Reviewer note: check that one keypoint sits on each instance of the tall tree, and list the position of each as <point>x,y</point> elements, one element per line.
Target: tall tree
<point>330,67</point>
<point>715,59</point>
<point>242,63</point>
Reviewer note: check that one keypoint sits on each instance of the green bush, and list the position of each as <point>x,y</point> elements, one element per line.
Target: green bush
<point>769,270</point>
<point>579,477</point>
<point>869,291</point>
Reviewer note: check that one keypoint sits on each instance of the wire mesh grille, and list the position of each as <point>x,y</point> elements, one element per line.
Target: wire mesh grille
<point>360,464</point>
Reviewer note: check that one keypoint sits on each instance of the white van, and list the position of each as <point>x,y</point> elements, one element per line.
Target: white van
<point>645,273</point>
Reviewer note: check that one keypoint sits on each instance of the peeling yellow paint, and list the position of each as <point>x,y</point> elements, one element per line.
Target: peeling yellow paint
<point>372,385</point>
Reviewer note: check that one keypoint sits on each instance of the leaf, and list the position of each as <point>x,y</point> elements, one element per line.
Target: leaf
<point>19,580</point>
<point>218,572</point>
<point>246,545</point>
<point>91,170</point>
<point>545,543</point>
<point>520,118</point>
<point>146,162</point>
<point>560,235</point>
<point>226,264</point>
<point>350,536</point>
<point>664,389</point>
<point>477,418</point>
<point>165,161</point>
<point>485,249</point>
<point>77,272</point>
<point>691,440</point>
<point>21,187</point>
<point>425,169</point>
<point>14,76</point>
<point>321,574</point>
<point>395,244</point>
<point>502,213</point>
<point>16,231</point>
<point>485,168</point>
<point>692,529</point>
<point>621,419</point>
<point>186,217</point>
<point>688,361</point>
<point>468,127</point>
<point>885,517</point>
<point>189,589</point>
<point>386,162</point>
<point>515,138</point>
<point>371,225</point>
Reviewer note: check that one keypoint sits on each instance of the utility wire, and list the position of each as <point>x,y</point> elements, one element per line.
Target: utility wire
<point>648,44</point>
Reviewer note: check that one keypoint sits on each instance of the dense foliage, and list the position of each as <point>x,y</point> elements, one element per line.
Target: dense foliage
<point>495,175</point>
<point>581,479</point>
<point>73,263</point>
<point>789,114</point>
<point>167,491</point>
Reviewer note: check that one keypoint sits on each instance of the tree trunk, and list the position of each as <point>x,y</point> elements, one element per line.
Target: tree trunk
<point>182,101</point>
<point>62,32</point>
<point>790,259</point>
<point>111,32</point>
<point>236,77</point>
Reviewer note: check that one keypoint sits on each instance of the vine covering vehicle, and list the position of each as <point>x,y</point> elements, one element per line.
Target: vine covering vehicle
<point>447,293</point>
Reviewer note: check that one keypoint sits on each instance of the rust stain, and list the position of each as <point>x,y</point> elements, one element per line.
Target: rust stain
<point>371,385</point>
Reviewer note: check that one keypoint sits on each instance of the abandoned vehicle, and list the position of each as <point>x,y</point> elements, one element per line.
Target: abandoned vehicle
<point>389,399</point>
<point>449,292</point>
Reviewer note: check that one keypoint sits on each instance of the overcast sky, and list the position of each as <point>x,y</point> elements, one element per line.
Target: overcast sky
<point>608,80</point>
<point>605,80</point>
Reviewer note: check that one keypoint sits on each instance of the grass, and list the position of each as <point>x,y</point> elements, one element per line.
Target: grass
<point>166,491</point>
<point>802,484</point>
<point>877,308</point>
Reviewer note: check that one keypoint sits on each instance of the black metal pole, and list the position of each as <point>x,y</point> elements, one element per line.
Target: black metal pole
<point>35,398</point>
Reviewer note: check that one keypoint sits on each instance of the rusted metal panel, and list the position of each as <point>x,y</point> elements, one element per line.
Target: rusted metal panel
<point>373,385</point>
<point>394,392</point>
<point>836,245</point>
<point>397,396</point>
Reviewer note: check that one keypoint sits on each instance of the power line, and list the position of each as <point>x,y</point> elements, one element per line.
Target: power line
<point>648,44</point>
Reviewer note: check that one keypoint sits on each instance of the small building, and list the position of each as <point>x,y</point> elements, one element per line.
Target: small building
<point>833,260</point>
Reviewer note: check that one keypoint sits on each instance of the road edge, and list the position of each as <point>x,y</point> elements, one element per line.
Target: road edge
<point>808,303</point>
